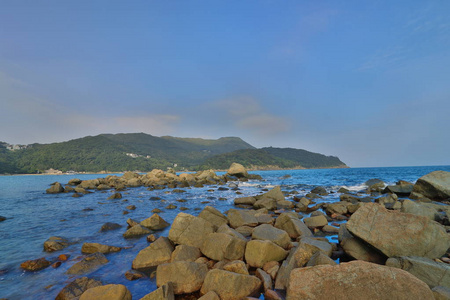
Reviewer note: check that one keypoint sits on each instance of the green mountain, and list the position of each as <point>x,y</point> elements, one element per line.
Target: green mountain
<point>273,158</point>
<point>140,151</point>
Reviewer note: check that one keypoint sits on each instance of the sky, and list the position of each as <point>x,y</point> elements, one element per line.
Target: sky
<point>367,81</point>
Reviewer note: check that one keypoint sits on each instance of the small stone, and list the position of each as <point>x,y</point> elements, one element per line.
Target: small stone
<point>35,264</point>
<point>156,211</point>
<point>151,238</point>
<point>171,206</point>
<point>133,275</point>
<point>131,207</point>
<point>110,226</point>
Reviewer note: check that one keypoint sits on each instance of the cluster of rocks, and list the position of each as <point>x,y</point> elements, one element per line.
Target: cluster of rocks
<point>156,179</point>
<point>398,248</point>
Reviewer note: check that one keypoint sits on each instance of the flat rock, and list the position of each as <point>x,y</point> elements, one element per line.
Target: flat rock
<point>398,234</point>
<point>55,243</point>
<point>88,264</point>
<point>317,221</point>
<point>77,287</point>
<point>418,209</point>
<point>231,286</point>
<point>110,226</point>
<point>136,231</point>
<point>429,271</point>
<point>107,292</point>
<point>35,264</point>
<point>355,280</point>
<point>238,218</point>
<point>159,252</point>
<point>245,201</point>
<point>189,230</point>
<point>186,277</point>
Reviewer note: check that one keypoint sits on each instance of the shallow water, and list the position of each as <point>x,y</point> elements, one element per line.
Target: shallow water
<point>34,216</point>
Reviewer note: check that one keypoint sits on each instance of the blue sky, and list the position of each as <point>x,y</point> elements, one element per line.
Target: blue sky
<point>368,81</point>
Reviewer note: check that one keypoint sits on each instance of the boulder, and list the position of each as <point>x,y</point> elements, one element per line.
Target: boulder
<point>265,279</point>
<point>319,190</point>
<point>317,221</point>
<point>257,253</point>
<point>435,185</point>
<point>88,264</point>
<point>107,292</point>
<point>400,189</point>
<point>267,203</point>
<point>237,170</point>
<point>136,231</point>
<point>245,201</point>
<point>274,193</point>
<point>339,208</point>
<point>441,293</point>
<point>231,286</point>
<point>320,259</point>
<point>209,296</point>
<point>419,209</point>
<point>240,218</point>
<point>35,264</point>
<point>74,181</point>
<point>77,287</point>
<point>189,230</point>
<point>96,247</point>
<point>398,234</point>
<point>429,271</point>
<point>164,292</point>
<point>115,196</point>
<point>290,223</point>
<point>226,229</point>
<point>185,253</point>
<point>213,216</point>
<point>220,246</point>
<point>236,266</point>
<point>307,248</point>
<point>159,252</point>
<point>186,277</point>
<point>358,249</point>
<point>270,233</point>
<point>373,181</point>
<point>155,222</point>
<point>55,243</point>
<point>55,188</point>
<point>355,280</point>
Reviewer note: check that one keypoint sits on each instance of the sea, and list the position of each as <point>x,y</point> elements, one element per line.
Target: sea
<point>33,216</point>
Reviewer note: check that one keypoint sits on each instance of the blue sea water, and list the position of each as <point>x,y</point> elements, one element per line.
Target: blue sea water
<point>34,216</point>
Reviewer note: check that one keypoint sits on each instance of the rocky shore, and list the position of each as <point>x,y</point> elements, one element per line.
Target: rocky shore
<point>393,242</point>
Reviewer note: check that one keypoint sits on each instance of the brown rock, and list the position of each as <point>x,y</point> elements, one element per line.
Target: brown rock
<point>77,287</point>
<point>213,216</point>
<point>155,222</point>
<point>107,292</point>
<point>136,231</point>
<point>236,266</point>
<point>257,253</point>
<point>96,247</point>
<point>435,185</point>
<point>165,292</point>
<point>55,243</point>
<point>270,233</point>
<point>220,246</point>
<point>355,280</point>
<point>88,264</point>
<point>186,277</point>
<point>189,230</point>
<point>157,253</point>
<point>35,264</point>
<point>238,218</point>
<point>185,253</point>
<point>290,223</point>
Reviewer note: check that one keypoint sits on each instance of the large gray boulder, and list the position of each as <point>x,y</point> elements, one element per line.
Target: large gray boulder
<point>157,253</point>
<point>429,271</point>
<point>231,286</point>
<point>418,209</point>
<point>189,230</point>
<point>186,277</point>
<point>355,280</point>
<point>435,185</point>
<point>398,234</point>
<point>220,246</point>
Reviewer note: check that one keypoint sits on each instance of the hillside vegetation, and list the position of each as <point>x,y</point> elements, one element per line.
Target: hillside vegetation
<point>144,152</point>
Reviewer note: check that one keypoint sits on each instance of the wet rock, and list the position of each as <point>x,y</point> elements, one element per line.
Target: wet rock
<point>257,253</point>
<point>239,218</point>
<point>236,266</point>
<point>213,216</point>
<point>189,230</point>
<point>429,271</point>
<point>290,223</point>
<point>270,233</point>
<point>186,277</point>
<point>398,234</point>
<point>367,281</point>
<point>131,222</point>
<point>96,247</point>
<point>330,229</point>
<point>171,206</point>
<point>107,292</point>
<point>373,181</point>
<point>55,243</point>
<point>88,264</point>
<point>185,253</point>
<point>133,275</point>
<point>220,246</point>
<point>155,222</point>
<point>77,287</point>
<point>358,249</point>
<point>55,188</point>
<point>131,207</point>
<point>136,231</point>
<point>157,253</point>
<point>74,181</point>
<point>35,264</point>
<point>157,211</point>
<point>435,185</point>
<point>319,190</point>
<point>164,292</point>
<point>230,286</point>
